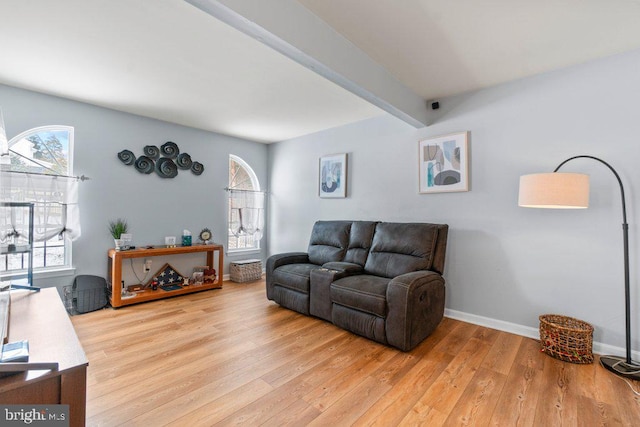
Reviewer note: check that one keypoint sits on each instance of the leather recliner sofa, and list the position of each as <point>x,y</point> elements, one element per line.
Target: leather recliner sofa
<point>381,280</point>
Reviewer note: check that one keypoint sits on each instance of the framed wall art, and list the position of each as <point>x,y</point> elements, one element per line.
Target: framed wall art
<point>333,176</point>
<point>444,163</point>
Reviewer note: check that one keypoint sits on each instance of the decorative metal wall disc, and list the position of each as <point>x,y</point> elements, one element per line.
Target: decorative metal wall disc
<point>127,157</point>
<point>170,149</point>
<point>144,164</point>
<point>165,168</point>
<point>184,161</point>
<point>197,168</point>
<point>151,151</point>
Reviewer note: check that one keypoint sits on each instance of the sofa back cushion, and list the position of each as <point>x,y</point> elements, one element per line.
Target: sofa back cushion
<point>399,248</point>
<point>329,241</point>
<point>360,240</point>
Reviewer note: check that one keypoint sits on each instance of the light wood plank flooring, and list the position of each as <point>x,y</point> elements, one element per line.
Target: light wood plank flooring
<point>231,357</point>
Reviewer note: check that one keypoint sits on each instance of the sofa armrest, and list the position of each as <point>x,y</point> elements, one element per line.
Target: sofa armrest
<point>415,304</point>
<point>343,268</point>
<point>320,286</point>
<point>278,260</point>
<point>275,261</point>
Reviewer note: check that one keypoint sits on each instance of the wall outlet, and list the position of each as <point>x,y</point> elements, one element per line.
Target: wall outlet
<point>146,266</point>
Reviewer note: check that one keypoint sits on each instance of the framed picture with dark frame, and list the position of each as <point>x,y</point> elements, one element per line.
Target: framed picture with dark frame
<point>332,181</point>
<point>444,163</point>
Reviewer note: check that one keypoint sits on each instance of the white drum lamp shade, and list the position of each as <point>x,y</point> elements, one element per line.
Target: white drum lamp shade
<point>554,191</point>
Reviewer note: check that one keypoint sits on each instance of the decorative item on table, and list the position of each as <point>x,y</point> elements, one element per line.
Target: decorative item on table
<point>117,228</point>
<point>13,352</point>
<point>170,241</point>
<point>166,275</point>
<point>444,163</point>
<point>209,275</point>
<point>333,176</point>
<point>186,238</point>
<point>185,281</point>
<point>124,293</point>
<point>205,236</point>
<point>135,288</point>
<point>197,278</point>
<point>126,238</point>
<point>198,274</point>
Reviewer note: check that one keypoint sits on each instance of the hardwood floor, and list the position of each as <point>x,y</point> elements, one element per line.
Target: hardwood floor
<point>230,356</point>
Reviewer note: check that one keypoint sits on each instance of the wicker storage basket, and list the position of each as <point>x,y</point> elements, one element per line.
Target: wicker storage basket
<point>245,271</point>
<point>566,338</point>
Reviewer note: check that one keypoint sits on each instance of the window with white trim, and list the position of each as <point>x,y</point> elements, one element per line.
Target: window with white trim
<point>44,150</point>
<point>246,207</point>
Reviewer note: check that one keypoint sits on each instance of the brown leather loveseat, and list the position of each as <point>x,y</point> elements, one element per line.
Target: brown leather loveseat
<point>381,280</point>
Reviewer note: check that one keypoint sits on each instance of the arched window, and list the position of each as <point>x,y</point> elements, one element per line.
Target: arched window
<point>44,150</point>
<point>246,207</point>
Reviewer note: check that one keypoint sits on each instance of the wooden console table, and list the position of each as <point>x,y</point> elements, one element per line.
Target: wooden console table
<point>41,318</point>
<point>115,272</point>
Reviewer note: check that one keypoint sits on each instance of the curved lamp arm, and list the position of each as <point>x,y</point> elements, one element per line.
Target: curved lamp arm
<point>624,205</point>
<point>625,231</point>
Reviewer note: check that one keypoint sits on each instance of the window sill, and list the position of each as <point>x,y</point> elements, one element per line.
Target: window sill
<point>240,252</point>
<point>54,272</point>
<point>44,273</point>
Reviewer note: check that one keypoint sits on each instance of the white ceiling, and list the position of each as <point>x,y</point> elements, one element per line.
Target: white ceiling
<point>168,60</point>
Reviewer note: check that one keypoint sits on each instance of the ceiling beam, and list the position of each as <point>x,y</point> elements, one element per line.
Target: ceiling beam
<point>291,29</point>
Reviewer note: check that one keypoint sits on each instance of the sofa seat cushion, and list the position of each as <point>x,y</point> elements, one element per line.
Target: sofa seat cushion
<point>294,276</point>
<point>362,292</point>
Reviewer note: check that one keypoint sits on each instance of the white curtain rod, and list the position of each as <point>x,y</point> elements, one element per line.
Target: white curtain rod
<point>81,177</point>
<point>246,191</point>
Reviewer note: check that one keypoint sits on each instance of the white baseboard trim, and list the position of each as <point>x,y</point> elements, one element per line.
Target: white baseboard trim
<point>527,331</point>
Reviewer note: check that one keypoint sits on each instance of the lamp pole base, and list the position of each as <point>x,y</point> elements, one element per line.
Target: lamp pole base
<point>619,366</point>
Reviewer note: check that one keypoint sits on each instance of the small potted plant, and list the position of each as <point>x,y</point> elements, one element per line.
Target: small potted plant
<point>117,228</point>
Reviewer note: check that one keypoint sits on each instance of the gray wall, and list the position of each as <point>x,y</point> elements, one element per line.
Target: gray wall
<point>505,264</point>
<point>154,207</point>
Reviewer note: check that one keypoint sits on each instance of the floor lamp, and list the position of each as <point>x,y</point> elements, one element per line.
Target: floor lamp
<point>571,191</point>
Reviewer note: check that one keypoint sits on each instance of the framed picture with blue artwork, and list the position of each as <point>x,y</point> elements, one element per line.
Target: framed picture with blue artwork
<point>333,176</point>
<point>444,163</point>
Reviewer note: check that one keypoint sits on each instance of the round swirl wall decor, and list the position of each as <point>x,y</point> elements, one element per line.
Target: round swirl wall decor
<point>197,168</point>
<point>165,166</point>
<point>127,157</point>
<point>144,165</point>
<point>184,161</point>
<point>170,149</point>
<point>151,151</point>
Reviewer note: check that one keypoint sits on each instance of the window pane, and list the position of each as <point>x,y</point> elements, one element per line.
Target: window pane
<point>241,177</point>
<point>38,257</point>
<point>55,256</point>
<point>12,262</point>
<point>46,150</point>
